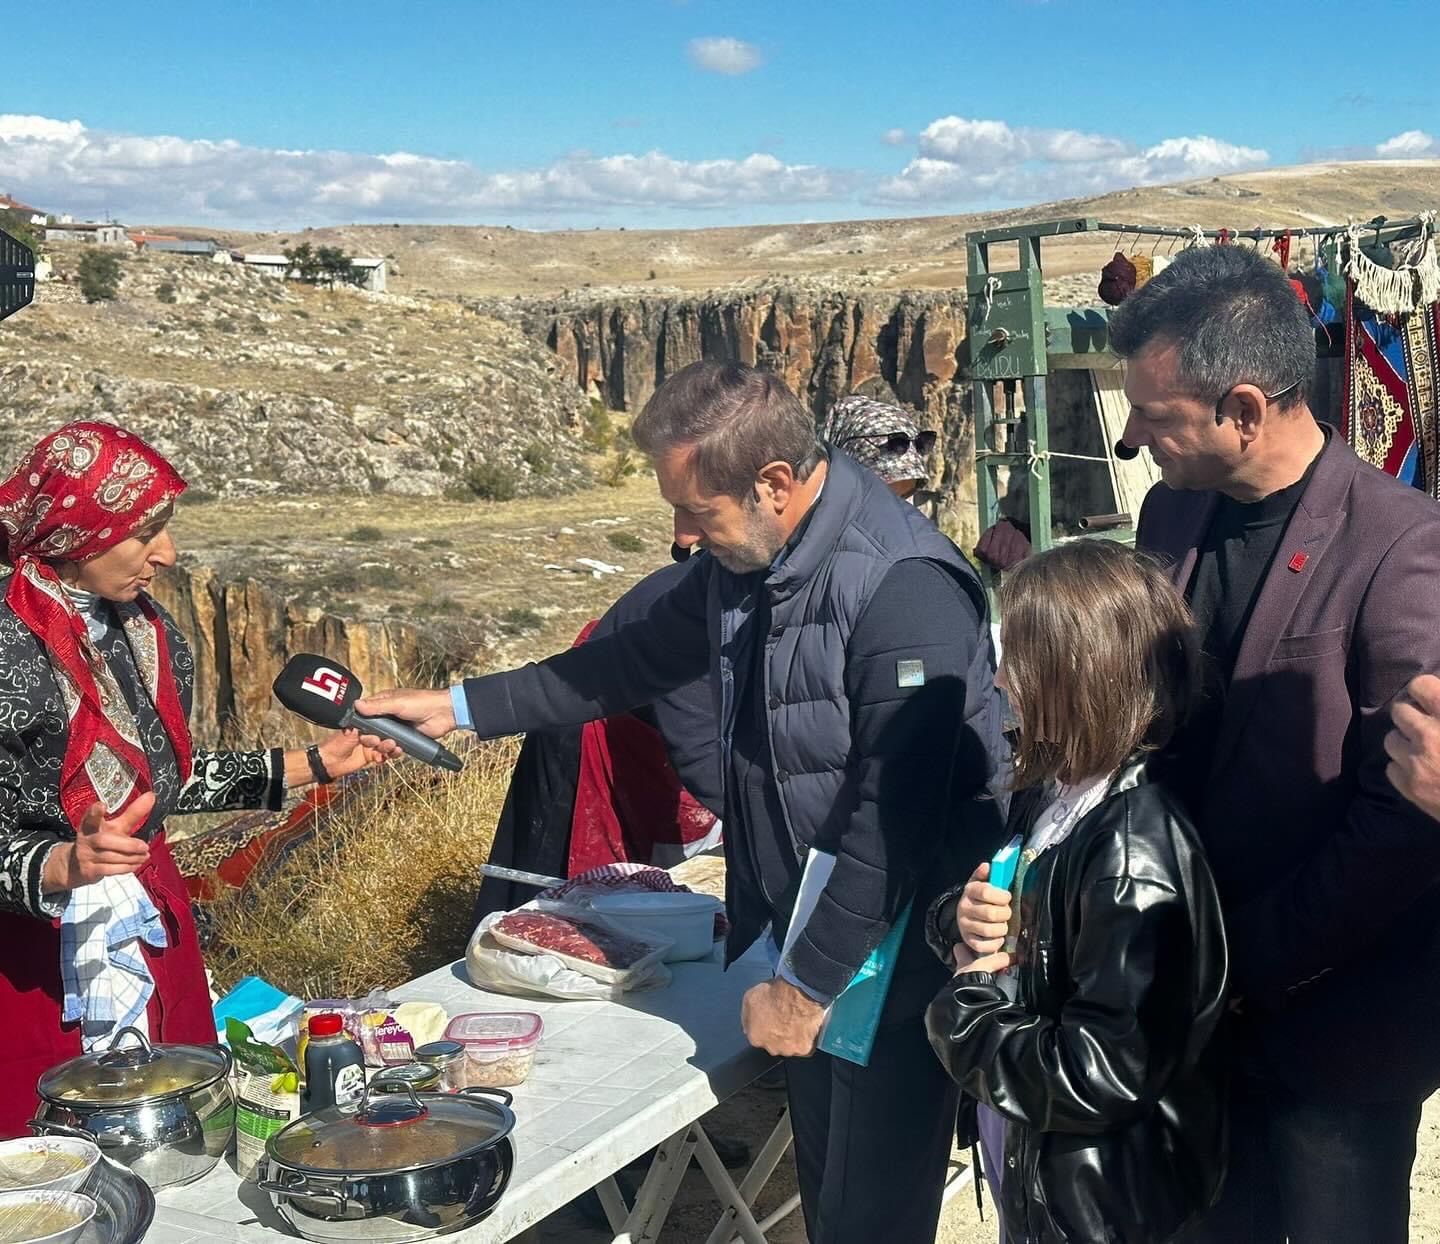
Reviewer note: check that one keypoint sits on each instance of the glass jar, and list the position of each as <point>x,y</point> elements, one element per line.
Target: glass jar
<point>448,1058</point>
<point>422,1077</point>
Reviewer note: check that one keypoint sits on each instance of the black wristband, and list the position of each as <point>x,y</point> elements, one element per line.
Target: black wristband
<point>317,766</point>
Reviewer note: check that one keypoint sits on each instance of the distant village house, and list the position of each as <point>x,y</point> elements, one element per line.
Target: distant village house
<point>164,245</point>
<point>370,272</point>
<point>89,232</point>
<point>33,214</point>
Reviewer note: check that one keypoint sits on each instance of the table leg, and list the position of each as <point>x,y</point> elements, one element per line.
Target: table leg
<point>769,1157</point>
<point>613,1203</point>
<point>745,1225</point>
<point>652,1203</point>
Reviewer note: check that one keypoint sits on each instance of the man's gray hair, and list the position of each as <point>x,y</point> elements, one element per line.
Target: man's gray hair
<point>739,419</point>
<point>1234,317</point>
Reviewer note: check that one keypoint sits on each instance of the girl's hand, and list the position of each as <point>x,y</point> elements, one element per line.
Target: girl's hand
<point>966,960</point>
<point>983,913</point>
<point>344,753</point>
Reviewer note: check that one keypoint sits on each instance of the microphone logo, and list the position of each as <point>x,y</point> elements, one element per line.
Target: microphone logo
<point>328,684</point>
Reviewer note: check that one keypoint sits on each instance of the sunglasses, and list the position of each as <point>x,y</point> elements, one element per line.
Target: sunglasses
<point>899,442</point>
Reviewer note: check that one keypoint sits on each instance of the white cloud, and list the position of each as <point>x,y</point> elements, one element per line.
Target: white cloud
<point>1411,145</point>
<point>722,54</point>
<point>64,166</point>
<point>965,160</point>
<point>895,138</point>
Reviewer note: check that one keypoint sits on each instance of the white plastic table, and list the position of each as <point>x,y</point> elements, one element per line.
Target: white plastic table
<point>610,1082</point>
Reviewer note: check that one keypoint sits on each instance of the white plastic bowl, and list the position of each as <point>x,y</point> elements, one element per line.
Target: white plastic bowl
<point>687,920</point>
<point>81,1207</point>
<point>17,1160</point>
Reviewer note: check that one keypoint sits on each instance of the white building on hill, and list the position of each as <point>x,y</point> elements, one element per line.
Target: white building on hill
<point>88,232</point>
<point>372,271</point>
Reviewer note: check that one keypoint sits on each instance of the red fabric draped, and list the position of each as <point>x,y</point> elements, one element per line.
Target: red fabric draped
<point>628,799</point>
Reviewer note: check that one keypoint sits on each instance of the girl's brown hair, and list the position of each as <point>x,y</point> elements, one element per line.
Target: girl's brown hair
<point>1100,658</point>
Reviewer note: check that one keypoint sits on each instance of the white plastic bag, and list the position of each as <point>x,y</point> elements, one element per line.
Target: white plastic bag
<point>502,970</point>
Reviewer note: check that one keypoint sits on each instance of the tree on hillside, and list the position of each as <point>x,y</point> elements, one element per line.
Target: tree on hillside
<point>18,226</point>
<point>304,263</point>
<point>336,265</point>
<point>329,265</point>
<point>99,275</point>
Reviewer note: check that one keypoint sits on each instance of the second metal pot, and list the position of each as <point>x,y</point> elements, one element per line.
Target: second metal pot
<point>404,1167</point>
<point>165,1112</point>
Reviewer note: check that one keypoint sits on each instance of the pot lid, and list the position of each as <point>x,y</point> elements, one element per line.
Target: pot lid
<point>133,1070</point>
<point>391,1133</point>
<point>655,903</point>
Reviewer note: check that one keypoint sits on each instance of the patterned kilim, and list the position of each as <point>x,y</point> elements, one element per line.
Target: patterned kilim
<point>1392,412</point>
<point>251,846</point>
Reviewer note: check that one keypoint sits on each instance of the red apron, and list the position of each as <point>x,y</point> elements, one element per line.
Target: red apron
<point>32,1038</point>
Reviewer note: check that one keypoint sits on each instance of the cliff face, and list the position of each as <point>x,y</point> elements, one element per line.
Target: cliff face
<point>242,634</point>
<point>895,346</point>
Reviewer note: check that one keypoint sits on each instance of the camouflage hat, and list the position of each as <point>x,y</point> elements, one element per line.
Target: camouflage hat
<point>882,437</point>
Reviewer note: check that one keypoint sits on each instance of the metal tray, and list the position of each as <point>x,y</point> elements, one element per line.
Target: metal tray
<point>126,1205</point>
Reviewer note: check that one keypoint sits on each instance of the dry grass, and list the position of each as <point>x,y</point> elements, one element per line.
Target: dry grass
<point>383,893</point>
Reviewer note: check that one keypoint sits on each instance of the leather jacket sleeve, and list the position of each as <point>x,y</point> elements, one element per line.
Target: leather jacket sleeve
<point>1118,1040</point>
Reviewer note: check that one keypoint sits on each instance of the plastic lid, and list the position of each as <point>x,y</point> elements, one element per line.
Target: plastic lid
<point>325,1025</point>
<point>496,1030</point>
<point>651,903</point>
<point>132,1070</point>
<point>389,1133</point>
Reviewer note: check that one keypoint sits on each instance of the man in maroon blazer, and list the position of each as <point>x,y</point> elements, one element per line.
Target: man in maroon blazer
<point>1315,583</point>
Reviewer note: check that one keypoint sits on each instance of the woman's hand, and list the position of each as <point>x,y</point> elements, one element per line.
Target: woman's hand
<point>104,846</point>
<point>345,753</point>
<point>983,913</point>
<point>342,753</point>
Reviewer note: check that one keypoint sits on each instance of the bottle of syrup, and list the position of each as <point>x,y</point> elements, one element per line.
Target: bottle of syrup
<point>334,1066</point>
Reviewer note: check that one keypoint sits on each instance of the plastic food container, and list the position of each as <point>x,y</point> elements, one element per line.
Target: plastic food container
<point>499,1046</point>
<point>685,920</point>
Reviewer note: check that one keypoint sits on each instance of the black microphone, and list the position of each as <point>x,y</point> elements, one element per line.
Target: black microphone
<point>324,692</point>
<point>1126,453</point>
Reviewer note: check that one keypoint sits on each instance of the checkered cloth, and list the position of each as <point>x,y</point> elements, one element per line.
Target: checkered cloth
<point>102,967</point>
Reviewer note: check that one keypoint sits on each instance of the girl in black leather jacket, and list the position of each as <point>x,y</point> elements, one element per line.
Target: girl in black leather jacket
<point>1090,1022</point>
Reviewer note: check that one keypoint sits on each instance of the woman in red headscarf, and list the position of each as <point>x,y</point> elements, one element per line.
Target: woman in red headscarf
<point>95,753</point>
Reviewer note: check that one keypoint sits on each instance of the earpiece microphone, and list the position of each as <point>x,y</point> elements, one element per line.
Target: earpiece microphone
<point>1125,452</point>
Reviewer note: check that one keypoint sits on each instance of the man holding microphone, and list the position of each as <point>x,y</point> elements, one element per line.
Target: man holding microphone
<point>846,645</point>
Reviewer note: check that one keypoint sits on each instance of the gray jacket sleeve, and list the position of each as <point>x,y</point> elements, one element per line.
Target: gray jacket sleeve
<point>641,661</point>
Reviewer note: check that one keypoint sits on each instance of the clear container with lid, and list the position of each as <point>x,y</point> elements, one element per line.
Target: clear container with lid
<point>499,1046</point>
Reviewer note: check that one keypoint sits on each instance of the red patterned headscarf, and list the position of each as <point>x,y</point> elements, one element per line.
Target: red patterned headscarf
<point>81,491</point>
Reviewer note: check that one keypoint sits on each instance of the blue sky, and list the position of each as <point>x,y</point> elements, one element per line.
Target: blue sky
<point>662,112</point>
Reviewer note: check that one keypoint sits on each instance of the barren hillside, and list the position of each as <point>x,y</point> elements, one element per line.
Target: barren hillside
<point>258,386</point>
<point>921,253</point>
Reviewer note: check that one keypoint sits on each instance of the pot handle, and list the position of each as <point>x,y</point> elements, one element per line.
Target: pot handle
<point>44,1127</point>
<point>507,1098</point>
<point>302,1189</point>
<point>116,1055</point>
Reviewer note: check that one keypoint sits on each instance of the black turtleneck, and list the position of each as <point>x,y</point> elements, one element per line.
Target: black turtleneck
<point>1234,558</point>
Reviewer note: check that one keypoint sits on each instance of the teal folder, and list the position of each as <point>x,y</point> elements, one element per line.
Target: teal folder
<point>849,1031</point>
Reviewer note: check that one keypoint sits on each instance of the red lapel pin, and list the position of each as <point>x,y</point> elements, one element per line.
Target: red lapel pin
<point>1297,563</point>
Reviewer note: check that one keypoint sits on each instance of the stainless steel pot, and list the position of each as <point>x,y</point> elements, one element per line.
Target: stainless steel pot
<point>402,1167</point>
<point>166,1112</point>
